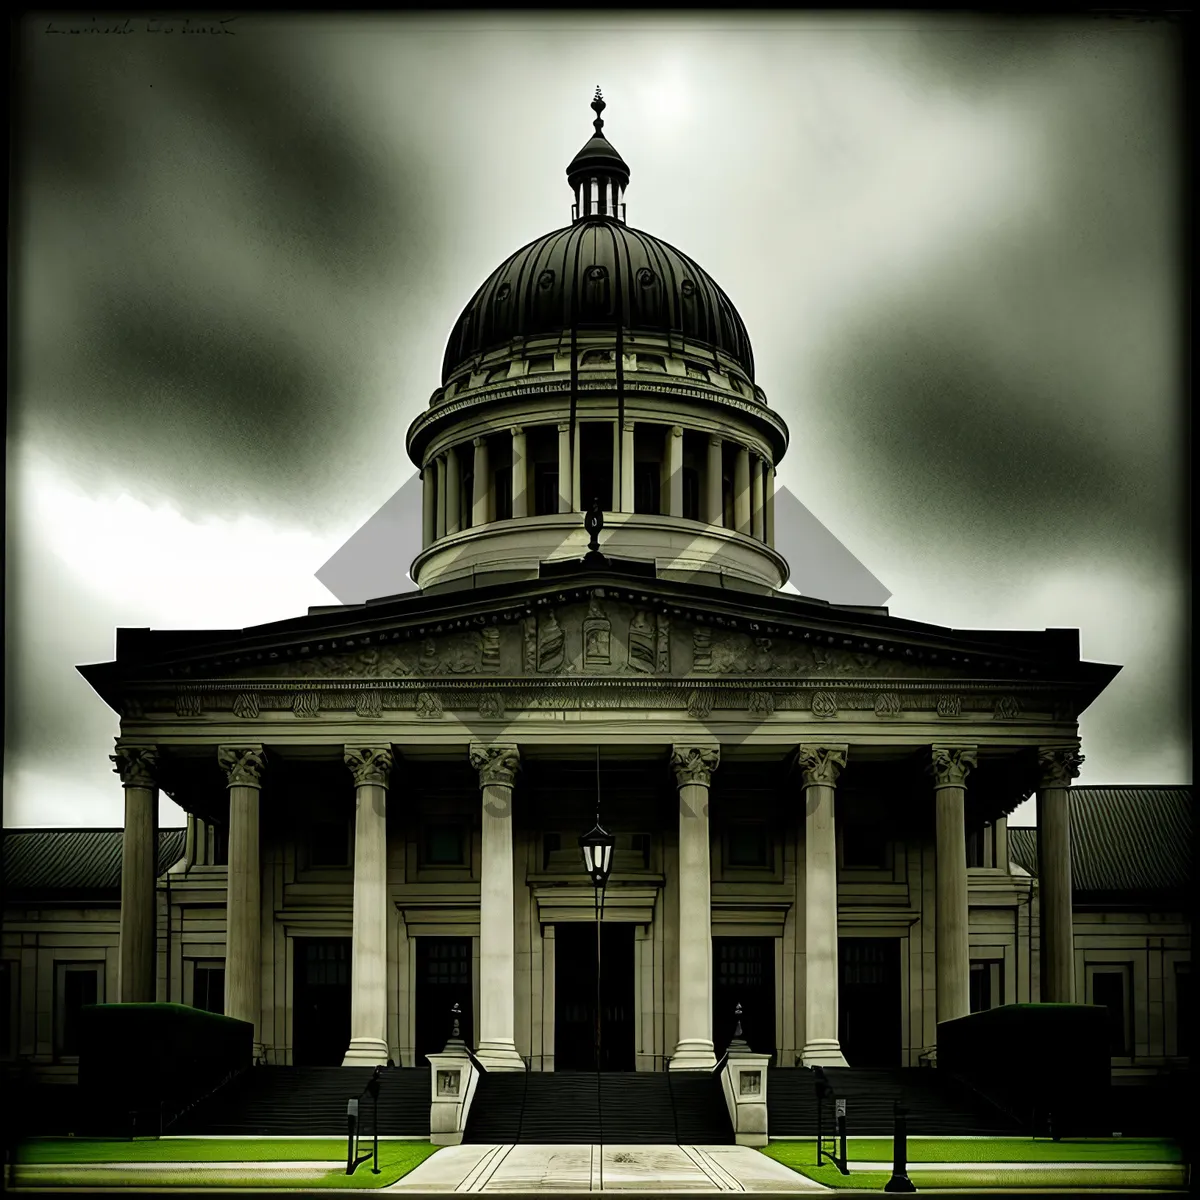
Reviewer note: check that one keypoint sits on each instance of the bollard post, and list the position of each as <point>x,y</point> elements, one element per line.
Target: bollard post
<point>841,1130</point>
<point>351,1129</point>
<point>373,1088</point>
<point>899,1181</point>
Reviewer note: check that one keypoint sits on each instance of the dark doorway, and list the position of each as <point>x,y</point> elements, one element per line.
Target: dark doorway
<point>321,1004</point>
<point>575,997</point>
<point>869,1026</point>
<point>744,973</point>
<point>443,980</point>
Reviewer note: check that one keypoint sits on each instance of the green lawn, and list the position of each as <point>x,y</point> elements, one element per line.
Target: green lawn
<point>396,1159</point>
<point>802,1157</point>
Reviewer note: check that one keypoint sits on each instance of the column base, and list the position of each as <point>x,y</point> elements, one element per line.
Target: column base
<point>695,1054</point>
<point>366,1052</point>
<point>499,1055</point>
<point>823,1052</point>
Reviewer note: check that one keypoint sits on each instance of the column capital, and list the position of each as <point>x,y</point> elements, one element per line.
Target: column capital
<point>136,765</point>
<point>950,765</point>
<point>1058,765</point>
<point>243,765</point>
<point>694,764</point>
<point>821,764</point>
<point>677,431</point>
<point>479,441</point>
<point>369,764</point>
<point>564,427</point>
<point>627,426</point>
<point>517,430</point>
<point>497,764</point>
<point>715,439</point>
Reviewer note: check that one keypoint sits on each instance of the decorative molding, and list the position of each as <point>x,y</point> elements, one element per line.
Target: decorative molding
<point>823,704</point>
<point>700,704</point>
<point>949,705</point>
<point>1058,765</point>
<point>245,705</point>
<point>1008,708</point>
<point>820,764</point>
<point>597,633</point>
<point>640,652</point>
<point>370,764</point>
<point>497,764</point>
<point>887,704</point>
<point>307,704</point>
<point>243,765</point>
<point>368,704</point>
<point>135,765</point>
<point>761,704</point>
<point>188,703</point>
<point>951,765</point>
<point>662,641</point>
<point>429,706</point>
<point>694,764</point>
<point>491,706</point>
<point>551,643</point>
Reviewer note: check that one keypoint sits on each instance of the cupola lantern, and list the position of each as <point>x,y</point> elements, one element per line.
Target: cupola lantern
<point>598,175</point>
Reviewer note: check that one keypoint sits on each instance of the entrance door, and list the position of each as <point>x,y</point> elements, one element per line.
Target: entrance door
<point>575,997</point>
<point>443,980</point>
<point>869,1026</point>
<point>321,1001</point>
<point>744,973</point>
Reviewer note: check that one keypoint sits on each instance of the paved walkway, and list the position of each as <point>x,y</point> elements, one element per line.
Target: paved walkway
<point>602,1169</point>
<point>855,1165</point>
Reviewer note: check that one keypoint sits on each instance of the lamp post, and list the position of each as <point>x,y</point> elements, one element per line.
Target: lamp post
<point>597,846</point>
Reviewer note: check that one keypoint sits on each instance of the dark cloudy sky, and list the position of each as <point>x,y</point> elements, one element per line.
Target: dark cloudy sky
<point>955,243</point>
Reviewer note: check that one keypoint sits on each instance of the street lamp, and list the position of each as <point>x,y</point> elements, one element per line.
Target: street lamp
<point>597,846</point>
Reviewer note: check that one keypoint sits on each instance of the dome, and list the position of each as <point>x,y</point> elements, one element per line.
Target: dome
<point>598,274</point>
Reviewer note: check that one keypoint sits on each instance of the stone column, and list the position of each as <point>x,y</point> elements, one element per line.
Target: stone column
<point>616,467</point>
<point>627,467</point>
<point>481,507</point>
<point>429,480</point>
<point>243,766</point>
<point>577,503</point>
<point>139,865</point>
<point>769,504</point>
<point>520,474</point>
<point>371,767</point>
<point>951,765</point>
<point>756,498</point>
<point>820,767</point>
<point>564,466</point>
<point>442,492</point>
<point>497,1048</point>
<point>1057,766</point>
<point>694,767</point>
<point>675,471</point>
<point>715,503</point>
<point>453,492</point>
<point>741,490</point>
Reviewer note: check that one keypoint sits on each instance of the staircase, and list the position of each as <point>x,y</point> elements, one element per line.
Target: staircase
<point>937,1104</point>
<point>614,1108</point>
<point>312,1100</point>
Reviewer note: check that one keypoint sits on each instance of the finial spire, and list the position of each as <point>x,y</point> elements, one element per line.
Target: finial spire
<point>598,106</point>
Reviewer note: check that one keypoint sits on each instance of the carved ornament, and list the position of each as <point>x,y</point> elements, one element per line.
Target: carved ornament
<point>135,765</point>
<point>369,765</point>
<point>497,765</point>
<point>821,765</point>
<point>1008,708</point>
<point>243,765</point>
<point>949,705</point>
<point>245,705</point>
<point>824,704</point>
<point>368,704</point>
<point>951,765</point>
<point>700,705</point>
<point>1058,765</point>
<point>187,703</point>
<point>491,706</point>
<point>694,764</point>
<point>429,705</point>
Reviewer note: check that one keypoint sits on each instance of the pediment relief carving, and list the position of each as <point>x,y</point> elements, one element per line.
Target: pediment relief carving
<point>604,637</point>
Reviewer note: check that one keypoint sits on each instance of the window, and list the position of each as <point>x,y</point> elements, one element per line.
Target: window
<point>443,846</point>
<point>545,488</point>
<point>1183,1009</point>
<point>981,845</point>
<point>987,984</point>
<point>597,358</point>
<point>646,487</point>
<point>1110,988</point>
<point>503,480</point>
<point>640,845</point>
<point>8,1008</point>
<point>748,844</point>
<point>329,844</point>
<point>496,374</point>
<point>208,985</point>
<point>77,984</point>
<point>596,463</point>
<point>651,362</point>
<point>695,371</point>
<point>551,844</point>
<point>691,493</point>
<point>541,364</point>
<point>864,847</point>
<point>220,846</point>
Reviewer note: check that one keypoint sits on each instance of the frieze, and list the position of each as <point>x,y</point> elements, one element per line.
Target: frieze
<point>823,704</point>
<point>307,704</point>
<point>887,704</point>
<point>245,706</point>
<point>700,705</point>
<point>429,706</point>
<point>949,705</point>
<point>1007,708</point>
<point>368,704</point>
<point>491,706</point>
<point>188,703</point>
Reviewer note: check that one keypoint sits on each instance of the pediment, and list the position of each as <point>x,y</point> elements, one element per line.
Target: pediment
<point>608,636</point>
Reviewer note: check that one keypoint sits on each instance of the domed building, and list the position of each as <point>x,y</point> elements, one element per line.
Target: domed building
<point>798,811</point>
